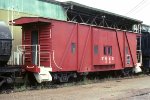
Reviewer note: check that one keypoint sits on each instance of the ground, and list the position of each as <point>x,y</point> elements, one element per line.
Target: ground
<point>124,89</point>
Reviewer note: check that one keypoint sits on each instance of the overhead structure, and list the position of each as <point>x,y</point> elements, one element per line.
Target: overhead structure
<point>145,29</point>
<point>85,14</point>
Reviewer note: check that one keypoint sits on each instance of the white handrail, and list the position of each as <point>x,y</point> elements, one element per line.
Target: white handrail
<point>19,56</point>
<point>21,49</point>
<point>54,60</point>
<point>36,55</point>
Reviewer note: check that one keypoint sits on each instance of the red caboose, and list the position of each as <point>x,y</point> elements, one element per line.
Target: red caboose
<point>60,49</point>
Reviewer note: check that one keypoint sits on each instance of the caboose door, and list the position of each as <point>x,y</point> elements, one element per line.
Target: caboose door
<point>34,42</point>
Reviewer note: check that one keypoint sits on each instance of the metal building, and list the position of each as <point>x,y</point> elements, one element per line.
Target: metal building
<point>12,9</point>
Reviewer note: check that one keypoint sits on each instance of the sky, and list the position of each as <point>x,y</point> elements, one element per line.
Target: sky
<point>137,9</point>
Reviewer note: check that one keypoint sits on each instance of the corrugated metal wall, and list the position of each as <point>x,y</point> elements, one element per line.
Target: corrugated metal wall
<point>35,7</point>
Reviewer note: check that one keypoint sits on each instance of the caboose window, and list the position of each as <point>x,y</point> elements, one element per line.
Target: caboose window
<point>108,50</point>
<point>105,50</point>
<point>127,50</point>
<point>95,49</point>
<point>73,47</point>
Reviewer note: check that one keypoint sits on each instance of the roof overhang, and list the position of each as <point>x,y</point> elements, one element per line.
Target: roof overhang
<point>28,20</point>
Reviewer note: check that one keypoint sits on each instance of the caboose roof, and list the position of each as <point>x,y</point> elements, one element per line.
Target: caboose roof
<point>26,20</point>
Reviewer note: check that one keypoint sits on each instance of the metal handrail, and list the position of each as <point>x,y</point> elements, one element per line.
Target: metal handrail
<point>39,53</point>
<point>22,49</point>
<point>19,56</point>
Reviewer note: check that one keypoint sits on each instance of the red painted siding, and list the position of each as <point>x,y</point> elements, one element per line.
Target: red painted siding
<point>26,40</point>
<point>63,35</point>
<point>45,44</point>
<point>79,47</point>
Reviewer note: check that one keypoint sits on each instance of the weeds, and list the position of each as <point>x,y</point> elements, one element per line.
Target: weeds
<point>88,79</point>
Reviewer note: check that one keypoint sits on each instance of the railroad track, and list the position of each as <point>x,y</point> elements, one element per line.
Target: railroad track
<point>6,89</point>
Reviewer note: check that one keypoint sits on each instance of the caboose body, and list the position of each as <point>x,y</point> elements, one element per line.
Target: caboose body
<point>60,49</point>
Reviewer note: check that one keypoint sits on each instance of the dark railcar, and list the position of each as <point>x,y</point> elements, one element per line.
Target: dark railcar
<point>5,44</point>
<point>146,47</point>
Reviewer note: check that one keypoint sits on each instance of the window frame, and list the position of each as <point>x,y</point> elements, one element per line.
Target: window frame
<point>127,50</point>
<point>108,50</point>
<point>73,47</point>
<point>105,50</point>
<point>96,49</point>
